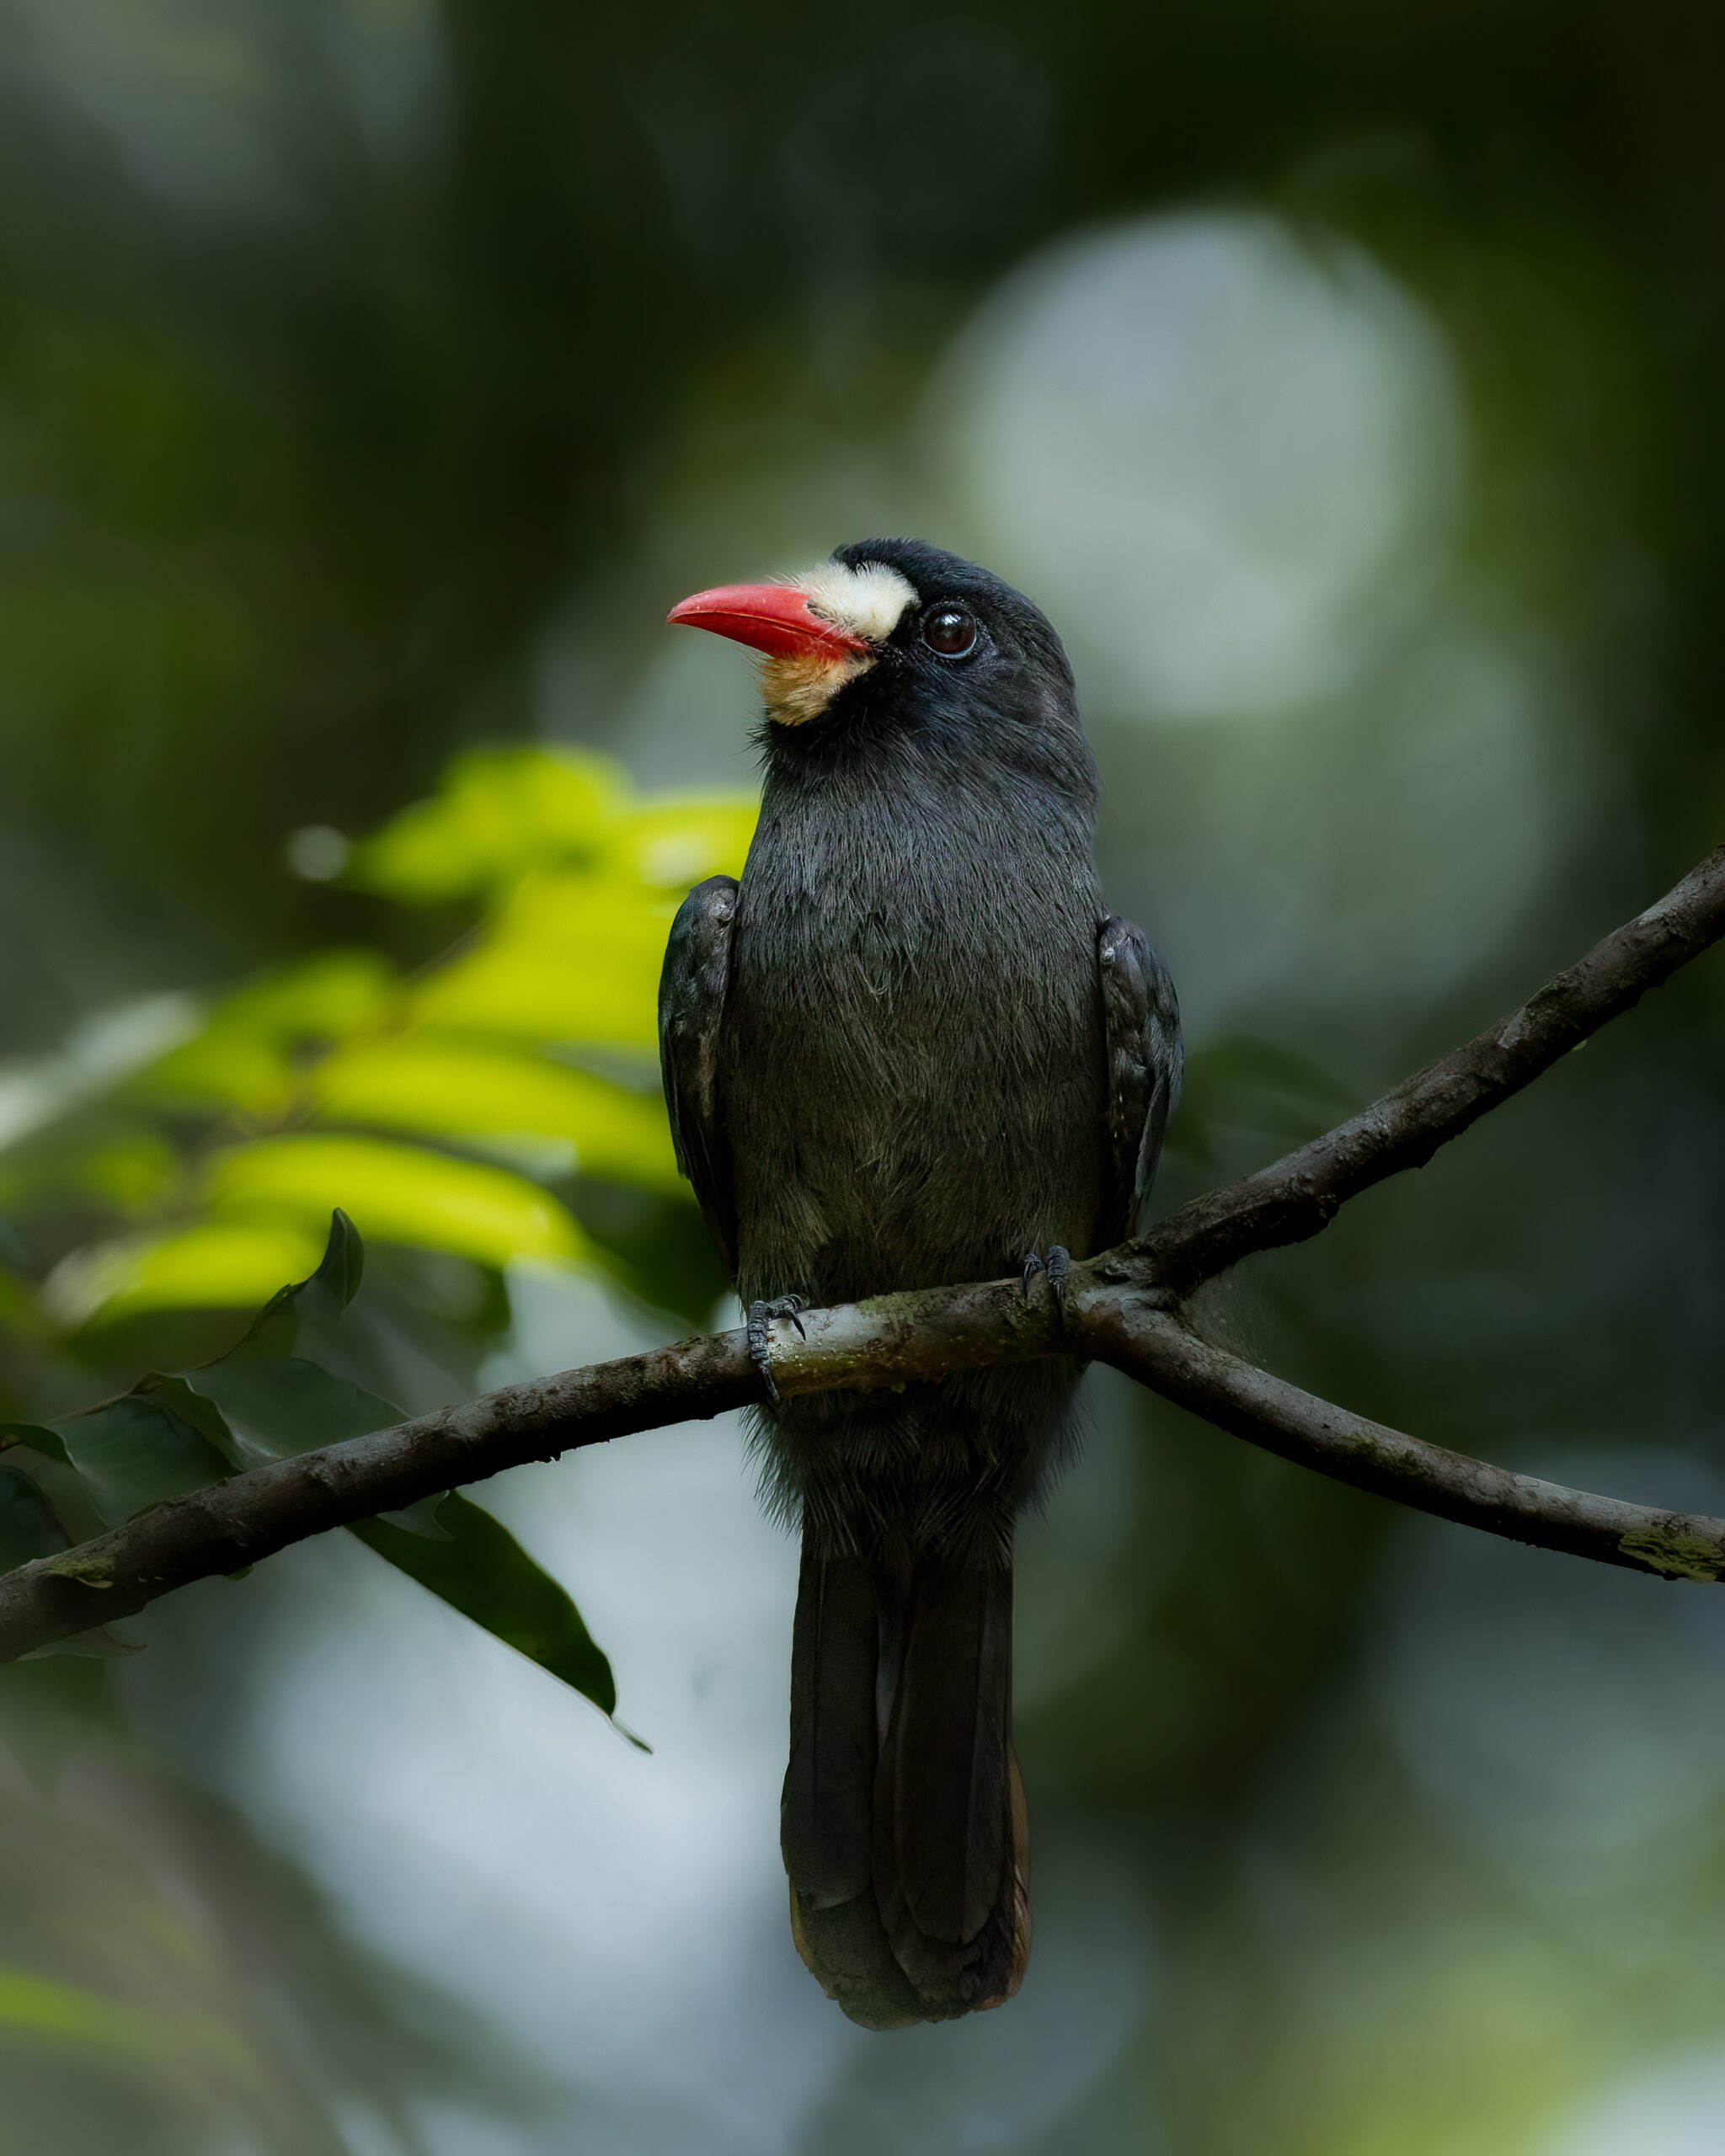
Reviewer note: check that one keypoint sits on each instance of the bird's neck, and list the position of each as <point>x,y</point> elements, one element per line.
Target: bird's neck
<point>1035,779</point>
<point>895,830</point>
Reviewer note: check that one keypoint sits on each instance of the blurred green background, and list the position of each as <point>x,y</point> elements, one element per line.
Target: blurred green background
<point>1344,381</point>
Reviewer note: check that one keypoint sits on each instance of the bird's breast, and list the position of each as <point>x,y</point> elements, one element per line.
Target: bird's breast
<point>913,1074</point>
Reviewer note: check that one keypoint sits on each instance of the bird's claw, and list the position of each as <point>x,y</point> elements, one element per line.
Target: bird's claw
<point>1057,1262</point>
<point>761,1316</point>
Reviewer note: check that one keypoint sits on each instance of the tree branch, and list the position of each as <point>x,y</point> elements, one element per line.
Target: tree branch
<point>1297,1195</point>
<point>1125,1308</point>
<point>1249,1403</point>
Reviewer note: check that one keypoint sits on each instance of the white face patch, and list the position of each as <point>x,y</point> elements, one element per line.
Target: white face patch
<point>869,601</point>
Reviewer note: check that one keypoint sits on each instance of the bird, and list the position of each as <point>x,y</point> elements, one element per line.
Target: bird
<point>910,1047</point>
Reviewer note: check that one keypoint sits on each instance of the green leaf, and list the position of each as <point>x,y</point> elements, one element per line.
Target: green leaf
<point>482,1571</point>
<point>221,1264</point>
<point>475,1089</point>
<point>281,1404</point>
<point>569,958</point>
<point>326,997</point>
<point>225,1065</point>
<point>175,1433</point>
<point>121,1162</point>
<point>173,1393</point>
<point>502,815</point>
<point>99,2033</point>
<point>499,812</point>
<point>28,1525</point>
<point>290,1405</point>
<point>135,1451</point>
<point>403,1193</point>
<point>284,1405</point>
<point>339,1272</point>
<point>37,1436</point>
<point>322,1296</point>
<point>246,1054</point>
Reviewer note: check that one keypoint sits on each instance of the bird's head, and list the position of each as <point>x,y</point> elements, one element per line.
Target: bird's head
<point>894,637</point>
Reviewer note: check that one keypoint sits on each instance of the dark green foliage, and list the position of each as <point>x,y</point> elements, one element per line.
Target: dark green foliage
<point>177,1432</point>
<point>135,1452</point>
<point>476,1565</point>
<point>28,1526</point>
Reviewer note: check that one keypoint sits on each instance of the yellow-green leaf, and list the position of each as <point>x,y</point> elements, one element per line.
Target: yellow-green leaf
<point>673,842</point>
<point>499,812</point>
<point>224,1066</point>
<point>469,1089</point>
<point>403,1193</point>
<point>243,1056</point>
<point>568,960</point>
<point>209,1264</point>
<point>325,997</point>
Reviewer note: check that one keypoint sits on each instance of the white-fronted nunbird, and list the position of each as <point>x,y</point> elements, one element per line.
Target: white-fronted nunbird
<point>911,1048</point>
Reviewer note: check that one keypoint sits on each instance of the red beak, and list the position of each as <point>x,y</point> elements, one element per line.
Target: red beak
<point>773,617</point>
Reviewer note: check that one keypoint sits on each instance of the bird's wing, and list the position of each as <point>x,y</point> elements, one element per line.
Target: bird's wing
<point>691,993</point>
<point>1141,1018</point>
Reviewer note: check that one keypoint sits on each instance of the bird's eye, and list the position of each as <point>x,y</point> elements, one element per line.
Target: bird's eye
<point>950,631</point>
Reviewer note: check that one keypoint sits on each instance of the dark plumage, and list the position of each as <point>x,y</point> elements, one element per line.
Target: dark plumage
<point>911,1048</point>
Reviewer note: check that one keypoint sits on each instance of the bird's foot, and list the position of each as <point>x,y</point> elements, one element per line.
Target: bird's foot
<point>1057,1262</point>
<point>761,1316</point>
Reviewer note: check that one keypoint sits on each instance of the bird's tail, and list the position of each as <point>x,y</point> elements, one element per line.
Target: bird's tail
<point>903,1822</point>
